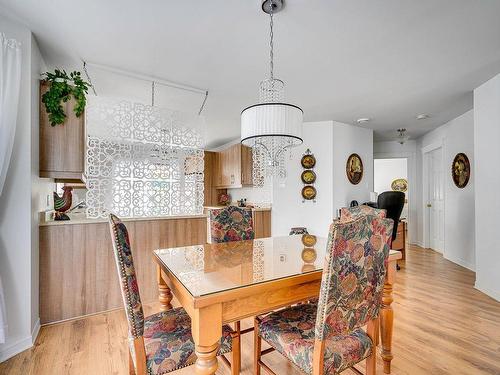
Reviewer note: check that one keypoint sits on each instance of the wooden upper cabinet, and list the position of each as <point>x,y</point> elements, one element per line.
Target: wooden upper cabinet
<point>62,147</point>
<point>234,167</point>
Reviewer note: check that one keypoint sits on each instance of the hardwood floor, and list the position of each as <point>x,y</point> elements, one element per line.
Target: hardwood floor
<point>442,326</point>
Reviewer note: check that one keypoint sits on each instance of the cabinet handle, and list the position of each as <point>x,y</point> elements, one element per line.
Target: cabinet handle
<point>232,179</point>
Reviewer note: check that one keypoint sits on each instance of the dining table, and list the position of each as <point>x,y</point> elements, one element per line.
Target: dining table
<point>221,283</point>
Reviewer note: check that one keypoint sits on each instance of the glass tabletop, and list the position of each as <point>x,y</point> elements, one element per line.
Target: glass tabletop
<point>212,268</point>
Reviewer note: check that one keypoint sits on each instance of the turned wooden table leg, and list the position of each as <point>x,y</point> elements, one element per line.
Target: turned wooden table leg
<point>165,295</point>
<point>206,327</point>
<point>387,318</point>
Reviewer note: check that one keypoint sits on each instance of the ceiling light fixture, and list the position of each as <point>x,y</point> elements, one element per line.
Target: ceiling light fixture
<point>402,136</point>
<point>423,116</point>
<point>363,120</point>
<point>272,126</point>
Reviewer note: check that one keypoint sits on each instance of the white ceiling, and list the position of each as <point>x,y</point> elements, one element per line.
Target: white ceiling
<point>341,59</point>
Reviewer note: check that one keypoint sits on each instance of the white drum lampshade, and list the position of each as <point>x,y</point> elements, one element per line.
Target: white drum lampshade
<point>271,120</point>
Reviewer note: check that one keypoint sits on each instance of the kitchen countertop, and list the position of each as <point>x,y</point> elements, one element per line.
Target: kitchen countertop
<point>81,219</point>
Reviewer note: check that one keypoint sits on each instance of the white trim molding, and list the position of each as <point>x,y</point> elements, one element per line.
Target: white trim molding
<point>460,262</point>
<point>10,350</point>
<point>495,294</point>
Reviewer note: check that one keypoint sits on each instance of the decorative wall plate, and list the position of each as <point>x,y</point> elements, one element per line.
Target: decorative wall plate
<point>460,170</point>
<point>309,240</point>
<point>354,169</point>
<point>399,184</point>
<point>309,255</point>
<point>308,176</point>
<point>308,161</point>
<point>309,192</point>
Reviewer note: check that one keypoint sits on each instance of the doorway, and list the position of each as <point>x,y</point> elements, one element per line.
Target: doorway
<point>435,200</point>
<point>392,174</point>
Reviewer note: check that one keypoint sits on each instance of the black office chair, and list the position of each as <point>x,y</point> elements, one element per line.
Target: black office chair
<point>393,202</point>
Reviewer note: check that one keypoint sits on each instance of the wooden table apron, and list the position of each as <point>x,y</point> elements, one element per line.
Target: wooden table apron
<point>208,313</point>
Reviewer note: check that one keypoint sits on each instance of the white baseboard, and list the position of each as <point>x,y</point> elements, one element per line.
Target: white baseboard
<point>10,350</point>
<point>35,331</point>
<point>495,294</point>
<point>461,262</point>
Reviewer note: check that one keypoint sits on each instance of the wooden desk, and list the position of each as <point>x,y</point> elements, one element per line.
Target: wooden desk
<point>400,242</point>
<point>223,283</point>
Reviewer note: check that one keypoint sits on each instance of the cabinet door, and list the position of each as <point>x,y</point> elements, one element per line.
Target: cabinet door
<point>235,165</point>
<point>246,165</point>
<point>226,167</point>
<point>62,147</point>
<point>217,178</point>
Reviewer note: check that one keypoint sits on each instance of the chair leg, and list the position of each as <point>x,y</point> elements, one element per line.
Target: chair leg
<point>257,347</point>
<point>371,361</point>
<point>131,369</point>
<point>236,354</point>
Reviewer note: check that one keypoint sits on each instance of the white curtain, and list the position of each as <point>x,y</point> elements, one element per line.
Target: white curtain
<point>10,80</point>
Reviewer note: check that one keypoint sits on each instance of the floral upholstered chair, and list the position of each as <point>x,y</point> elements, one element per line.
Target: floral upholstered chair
<point>231,224</point>
<point>327,337</point>
<point>352,213</point>
<point>162,342</point>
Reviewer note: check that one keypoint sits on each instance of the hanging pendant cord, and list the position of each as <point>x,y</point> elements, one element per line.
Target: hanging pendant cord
<point>271,45</point>
<point>203,104</point>
<point>88,77</point>
<point>152,93</point>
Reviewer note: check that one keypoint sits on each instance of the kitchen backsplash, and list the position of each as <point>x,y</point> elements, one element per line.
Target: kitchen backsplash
<point>255,195</point>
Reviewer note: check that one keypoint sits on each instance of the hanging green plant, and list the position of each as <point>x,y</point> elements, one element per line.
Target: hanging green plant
<point>62,87</point>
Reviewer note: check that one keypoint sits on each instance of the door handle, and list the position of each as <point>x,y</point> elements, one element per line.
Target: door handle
<point>429,205</point>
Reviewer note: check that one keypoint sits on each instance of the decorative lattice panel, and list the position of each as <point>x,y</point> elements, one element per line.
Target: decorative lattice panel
<point>142,161</point>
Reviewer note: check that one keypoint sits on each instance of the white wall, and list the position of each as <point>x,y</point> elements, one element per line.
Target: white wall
<point>385,171</point>
<point>348,139</point>
<point>487,198</point>
<point>288,209</point>
<point>19,205</point>
<point>454,137</point>
<point>331,142</point>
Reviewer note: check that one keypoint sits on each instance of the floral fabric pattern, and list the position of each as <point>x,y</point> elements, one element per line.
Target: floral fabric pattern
<point>231,224</point>
<point>352,213</point>
<point>291,332</point>
<point>353,275</point>
<point>167,335</point>
<point>169,344</point>
<point>128,279</point>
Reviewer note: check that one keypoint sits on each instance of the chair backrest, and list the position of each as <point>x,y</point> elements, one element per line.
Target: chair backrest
<point>127,277</point>
<point>352,213</point>
<point>393,202</point>
<point>353,275</point>
<point>231,224</point>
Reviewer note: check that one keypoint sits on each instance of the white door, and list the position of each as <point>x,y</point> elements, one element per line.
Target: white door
<point>435,202</point>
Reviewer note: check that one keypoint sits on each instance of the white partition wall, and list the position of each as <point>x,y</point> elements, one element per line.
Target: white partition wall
<point>487,197</point>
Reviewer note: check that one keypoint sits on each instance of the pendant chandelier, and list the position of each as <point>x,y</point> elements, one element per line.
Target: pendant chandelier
<point>402,136</point>
<point>272,126</point>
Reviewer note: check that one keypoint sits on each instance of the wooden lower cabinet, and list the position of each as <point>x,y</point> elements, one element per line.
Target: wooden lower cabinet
<point>262,223</point>
<point>77,269</point>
